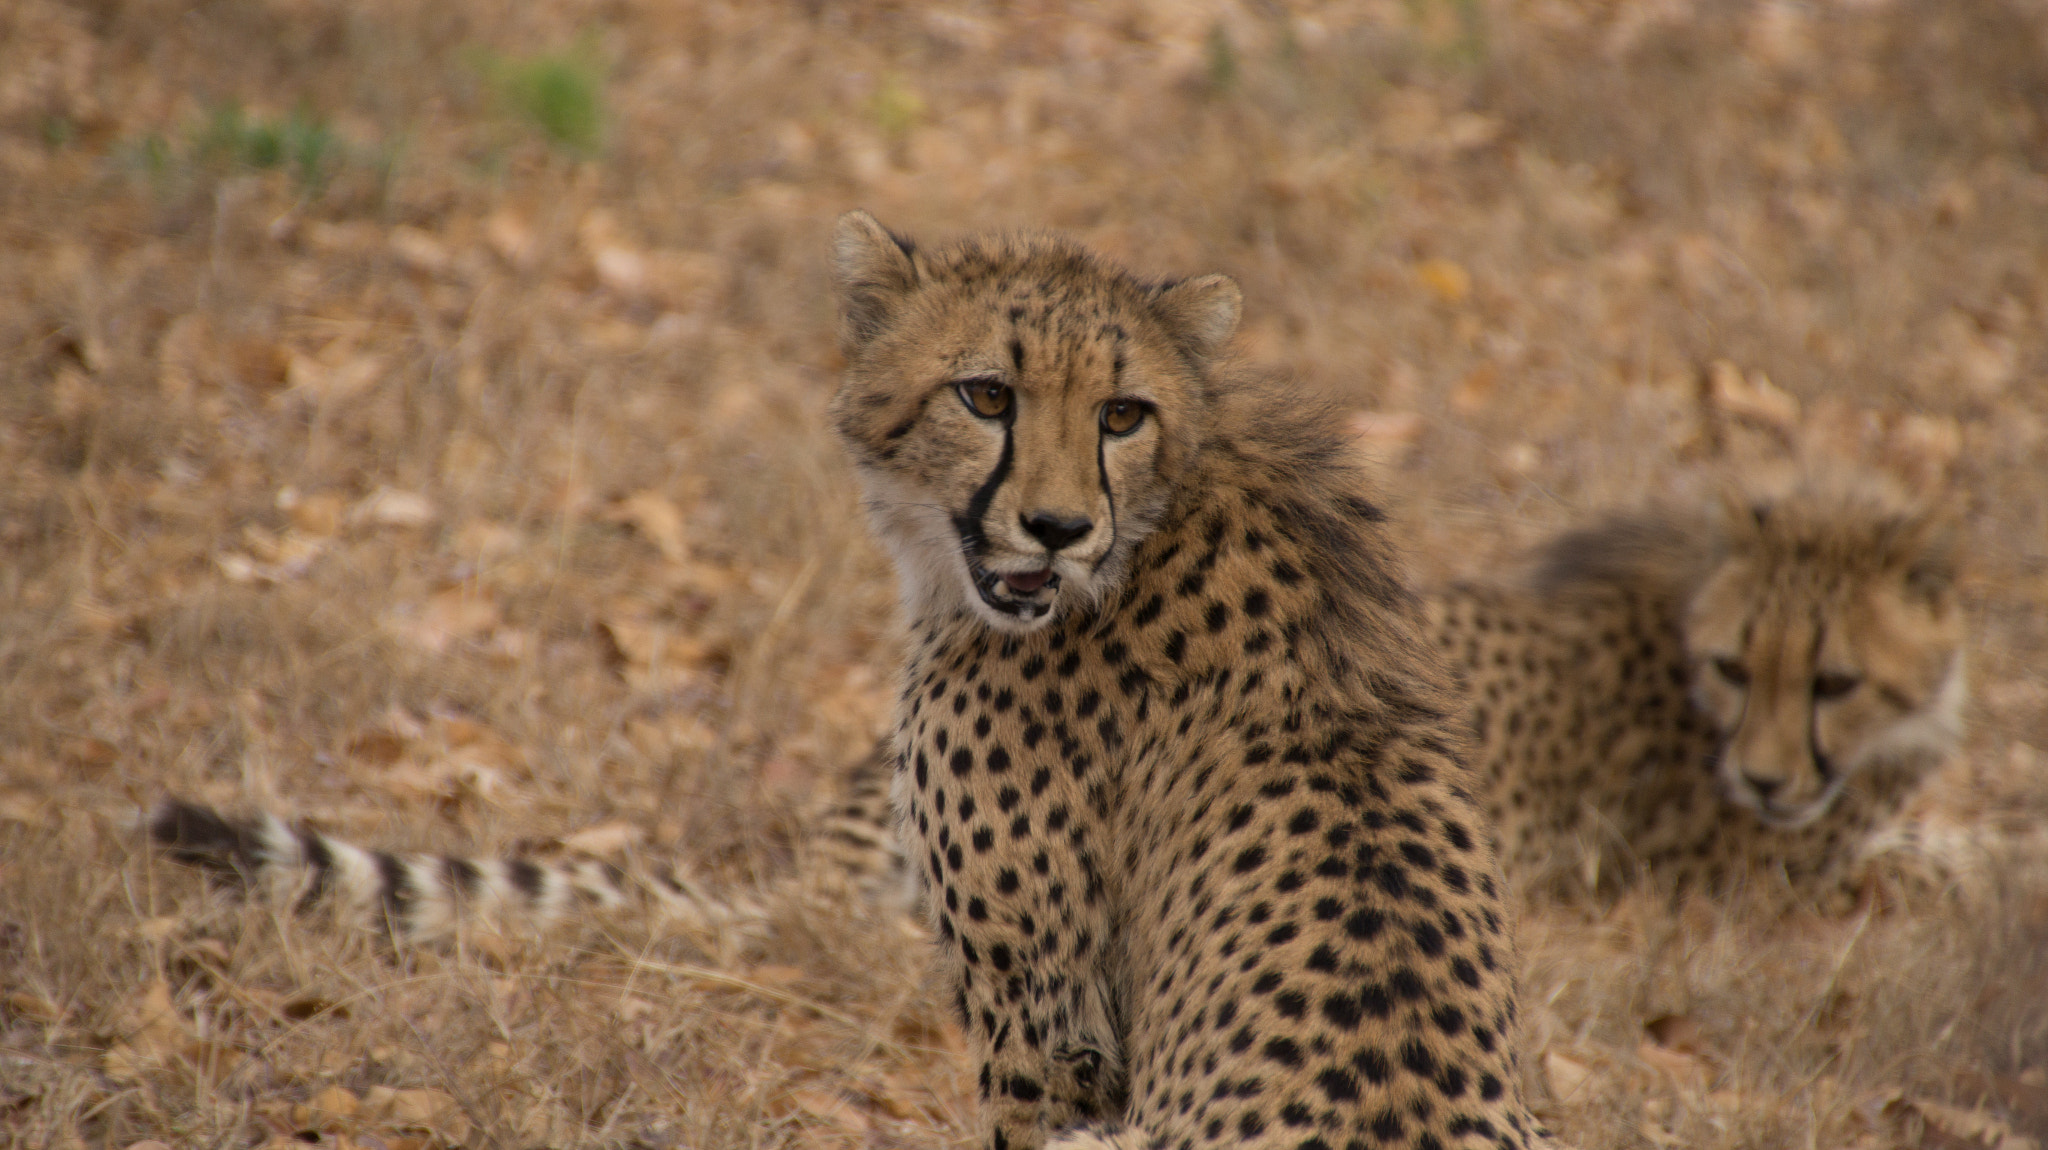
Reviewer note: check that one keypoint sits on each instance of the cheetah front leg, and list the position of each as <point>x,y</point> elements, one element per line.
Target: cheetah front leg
<point>1030,954</point>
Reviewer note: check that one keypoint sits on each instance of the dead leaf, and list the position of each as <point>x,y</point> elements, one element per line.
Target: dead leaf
<point>1677,1031</point>
<point>390,507</point>
<point>1753,397</point>
<point>1566,1075</point>
<point>605,838</point>
<point>1475,391</point>
<point>833,1109</point>
<point>657,519</point>
<point>379,748</point>
<point>33,1007</point>
<point>1958,1128</point>
<point>318,516</point>
<point>419,250</point>
<point>430,1110</point>
<point>1446,280</point>
<point>511,237</point>
<point>330,1104</point>
<point>1686,1072</point>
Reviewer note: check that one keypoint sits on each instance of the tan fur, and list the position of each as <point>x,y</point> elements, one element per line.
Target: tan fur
<point>1719,700</point>
<point>1195,820</point>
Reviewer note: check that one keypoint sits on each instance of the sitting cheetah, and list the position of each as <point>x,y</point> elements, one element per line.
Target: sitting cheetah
<point>1716,701</point>
<point>1187,787</point>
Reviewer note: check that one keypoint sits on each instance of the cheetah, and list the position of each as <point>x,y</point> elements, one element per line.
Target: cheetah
<point>1717,701</point>
<point>1188,789</point>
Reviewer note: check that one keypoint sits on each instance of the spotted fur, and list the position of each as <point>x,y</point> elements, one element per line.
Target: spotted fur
<point>1187,788</point>
<point>1741,699</point>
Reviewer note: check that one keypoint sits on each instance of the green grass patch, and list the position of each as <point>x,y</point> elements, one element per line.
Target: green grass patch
<point>561,94</point>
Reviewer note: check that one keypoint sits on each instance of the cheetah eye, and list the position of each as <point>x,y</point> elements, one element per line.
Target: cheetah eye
<point>1122,416</point>
<point>1829,685</point>
<point>987,398</point>
<point>1732,670</point>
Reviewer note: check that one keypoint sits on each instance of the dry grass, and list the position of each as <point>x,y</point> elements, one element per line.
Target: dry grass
<point>374,455</point>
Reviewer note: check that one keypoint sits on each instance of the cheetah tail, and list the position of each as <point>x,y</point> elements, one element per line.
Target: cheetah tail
<point>416,897</point>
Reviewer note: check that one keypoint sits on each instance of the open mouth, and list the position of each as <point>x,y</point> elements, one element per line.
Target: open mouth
<point>1024,594</point>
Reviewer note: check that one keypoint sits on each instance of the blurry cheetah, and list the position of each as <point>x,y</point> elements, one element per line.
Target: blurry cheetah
<point>1742,699</point>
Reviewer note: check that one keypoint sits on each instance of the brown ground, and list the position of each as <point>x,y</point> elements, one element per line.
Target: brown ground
<point>460,485</point>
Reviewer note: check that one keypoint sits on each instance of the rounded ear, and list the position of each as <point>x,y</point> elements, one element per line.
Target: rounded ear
<point>1928,544</point>
<point>872,270</point>
<point>1202,312</point>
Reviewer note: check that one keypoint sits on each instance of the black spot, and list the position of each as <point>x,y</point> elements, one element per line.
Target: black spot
<point>1406,984</point>
<point>1365,924</point>
<point>1283,1051</point>
<point>1373,1065</point>
<point>1448,1019</point>
<point>1338,1085</point>
<point>1417,1058</point>
<point>1249,859</point>
<point>962,761</point>
<point>1428,939</point>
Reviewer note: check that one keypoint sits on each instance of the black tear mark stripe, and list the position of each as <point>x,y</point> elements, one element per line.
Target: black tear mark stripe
<point>969,522</point>
<point>1102,477</point>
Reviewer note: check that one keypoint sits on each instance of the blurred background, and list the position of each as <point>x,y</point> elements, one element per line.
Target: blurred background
<point>411,416</point>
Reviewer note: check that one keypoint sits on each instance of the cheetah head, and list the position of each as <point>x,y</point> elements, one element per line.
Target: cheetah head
<point>1827,640</point>
<point>1018,411</point>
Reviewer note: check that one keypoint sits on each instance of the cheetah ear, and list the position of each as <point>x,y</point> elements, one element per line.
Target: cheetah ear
<point>1927,542</point>
<point>1202,311</point>
<point>873,270</point>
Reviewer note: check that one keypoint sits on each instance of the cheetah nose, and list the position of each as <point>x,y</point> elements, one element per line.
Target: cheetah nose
<point>1054,530</point>
<point>1763,787</point>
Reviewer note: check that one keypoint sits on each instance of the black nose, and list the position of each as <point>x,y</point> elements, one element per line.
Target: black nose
<point>1056,531</point>
<point>1762,787</point>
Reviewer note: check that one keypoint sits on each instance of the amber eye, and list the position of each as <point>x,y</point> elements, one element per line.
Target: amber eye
<point>1833,685</point>
<point>987,398</point>
<point>1122,416</point>
<point>1733,671</point>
